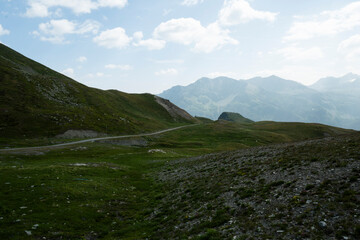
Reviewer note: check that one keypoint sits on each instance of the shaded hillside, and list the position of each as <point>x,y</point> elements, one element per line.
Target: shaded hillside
<point>234,117</point>
<point>37,101</point>
<point>270,98</point>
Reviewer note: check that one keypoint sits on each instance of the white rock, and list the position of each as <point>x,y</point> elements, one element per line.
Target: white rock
<point>156,151</point>
<point>322,224</point>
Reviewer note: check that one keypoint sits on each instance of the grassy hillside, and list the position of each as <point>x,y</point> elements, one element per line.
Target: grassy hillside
<point>234,117</point>
<point>36,101</point>
<point>226,136</point>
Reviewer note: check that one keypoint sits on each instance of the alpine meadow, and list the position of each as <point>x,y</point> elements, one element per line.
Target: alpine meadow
<point>183,119</point>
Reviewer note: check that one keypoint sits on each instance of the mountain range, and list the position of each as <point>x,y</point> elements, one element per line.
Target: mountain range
<point>332,101</point>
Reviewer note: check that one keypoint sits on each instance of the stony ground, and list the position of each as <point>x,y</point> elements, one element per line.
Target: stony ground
<point>304,190</point>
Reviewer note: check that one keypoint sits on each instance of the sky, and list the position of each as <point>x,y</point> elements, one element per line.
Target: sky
<point>148,46</point>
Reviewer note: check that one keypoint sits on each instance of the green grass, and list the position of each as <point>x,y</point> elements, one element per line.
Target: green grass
<point>108,191</point>
<point>110,196</point>
<point>225,136</point>
<point>234,117</point>
<point>114,195</point>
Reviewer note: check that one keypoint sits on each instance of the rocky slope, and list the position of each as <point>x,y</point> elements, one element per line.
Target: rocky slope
<point>176,112</point>
<point>303,190</point>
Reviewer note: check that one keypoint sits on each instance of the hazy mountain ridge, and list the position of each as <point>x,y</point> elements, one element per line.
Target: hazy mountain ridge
<point>271,98</point>
<point>37,101</point>
<point>347,84</point>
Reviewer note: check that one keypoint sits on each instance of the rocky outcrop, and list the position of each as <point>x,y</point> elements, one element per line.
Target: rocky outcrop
<point>175,112</point>
<point>80,134</point>
<point>234,117</point>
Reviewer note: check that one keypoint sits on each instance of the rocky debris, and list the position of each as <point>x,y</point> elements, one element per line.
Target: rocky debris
<point>80,134</point>
<point>304,190</point>
<point>175,112</point>
<point>156,151</point>
<point>81,148</point>
<point>103,164</point>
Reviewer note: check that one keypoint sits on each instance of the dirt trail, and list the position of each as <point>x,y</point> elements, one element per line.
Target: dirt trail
<point>93,140</point>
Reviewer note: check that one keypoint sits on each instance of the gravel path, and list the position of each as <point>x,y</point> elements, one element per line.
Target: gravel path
<point>93,140</point>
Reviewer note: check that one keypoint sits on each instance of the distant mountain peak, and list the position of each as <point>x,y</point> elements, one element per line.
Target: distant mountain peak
<point>345,84</point>
<point>351,75</point>
<point>331,101</point>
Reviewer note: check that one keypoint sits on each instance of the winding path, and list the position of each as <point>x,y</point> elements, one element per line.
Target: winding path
<point>93,140</point>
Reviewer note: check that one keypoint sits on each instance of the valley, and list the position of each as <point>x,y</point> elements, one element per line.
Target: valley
<point>167,188</point>
<point>83,163</point>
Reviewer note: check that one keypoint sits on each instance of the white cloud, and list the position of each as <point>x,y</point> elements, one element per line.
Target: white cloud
<point>89,26</point>
<point>350,47</point>
<point>113,38</point>
<point>191,2</point>
<point>169,71</point>
<point>121,67</point>
<point>69,72</point>
<point>55,30</point>
<point>150,44</point>
<point>112,3</point>
<point>3,31</point>
<point>37,9</point>
<point>97,75</point>
<point>81,59</point>
<point>239,11</point>
<point>294,53</point>
<point>138,35</point>
<point>40,8</point>
<point>188,31</point>
<point>326,23</point>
